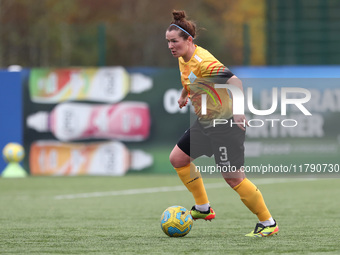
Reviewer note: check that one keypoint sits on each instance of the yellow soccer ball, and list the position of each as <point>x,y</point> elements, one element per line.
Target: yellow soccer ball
<point>176,221</point>
<point>13,152</point>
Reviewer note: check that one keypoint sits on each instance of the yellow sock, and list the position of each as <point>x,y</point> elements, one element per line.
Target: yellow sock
<point>192,179</point>
<point>253,199</point>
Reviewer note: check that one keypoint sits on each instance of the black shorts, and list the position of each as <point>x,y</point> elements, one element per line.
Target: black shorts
<point>225,142</point>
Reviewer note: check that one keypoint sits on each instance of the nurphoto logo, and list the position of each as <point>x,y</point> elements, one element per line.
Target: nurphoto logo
<point>239,102</point>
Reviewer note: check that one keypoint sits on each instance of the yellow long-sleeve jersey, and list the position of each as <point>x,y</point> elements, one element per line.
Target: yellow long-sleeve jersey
<point>198,77</point>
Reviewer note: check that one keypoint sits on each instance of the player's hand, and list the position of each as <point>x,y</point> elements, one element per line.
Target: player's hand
<point>183,101</point>
<point>241,121</point>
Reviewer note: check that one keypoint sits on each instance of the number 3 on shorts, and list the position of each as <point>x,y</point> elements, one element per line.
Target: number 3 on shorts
<point>224,155</point>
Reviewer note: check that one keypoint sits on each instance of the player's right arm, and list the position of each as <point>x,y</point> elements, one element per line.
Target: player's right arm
<point>183,99</point>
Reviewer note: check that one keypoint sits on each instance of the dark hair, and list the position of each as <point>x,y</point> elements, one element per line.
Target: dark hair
<point>181,21</point>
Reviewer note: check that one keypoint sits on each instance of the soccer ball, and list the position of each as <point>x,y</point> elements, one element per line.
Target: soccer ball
<point>13,152</point>
<point>176,221</point>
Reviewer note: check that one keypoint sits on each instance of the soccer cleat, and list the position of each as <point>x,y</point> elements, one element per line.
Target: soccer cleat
<point>262,231</point>
<point>208,215</point>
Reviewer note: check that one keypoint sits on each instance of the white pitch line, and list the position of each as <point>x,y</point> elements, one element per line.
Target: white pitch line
<point>168,189</point>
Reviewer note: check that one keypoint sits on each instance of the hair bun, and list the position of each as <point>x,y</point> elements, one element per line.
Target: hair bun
<point>179,15</point>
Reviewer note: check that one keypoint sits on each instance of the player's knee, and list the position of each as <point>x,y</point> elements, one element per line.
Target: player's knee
<point>177,159</point>
<point>233,182</point>
<point>177,162</point>
<point>172,159</point>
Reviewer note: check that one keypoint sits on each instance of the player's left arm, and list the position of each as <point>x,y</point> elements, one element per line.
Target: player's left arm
<point>239,118</point>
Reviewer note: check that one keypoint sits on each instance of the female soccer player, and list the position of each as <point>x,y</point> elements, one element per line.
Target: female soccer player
<point>199,70</point>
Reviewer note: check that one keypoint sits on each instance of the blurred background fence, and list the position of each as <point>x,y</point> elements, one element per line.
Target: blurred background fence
<point>131,32</point>
<point>303,32</point>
